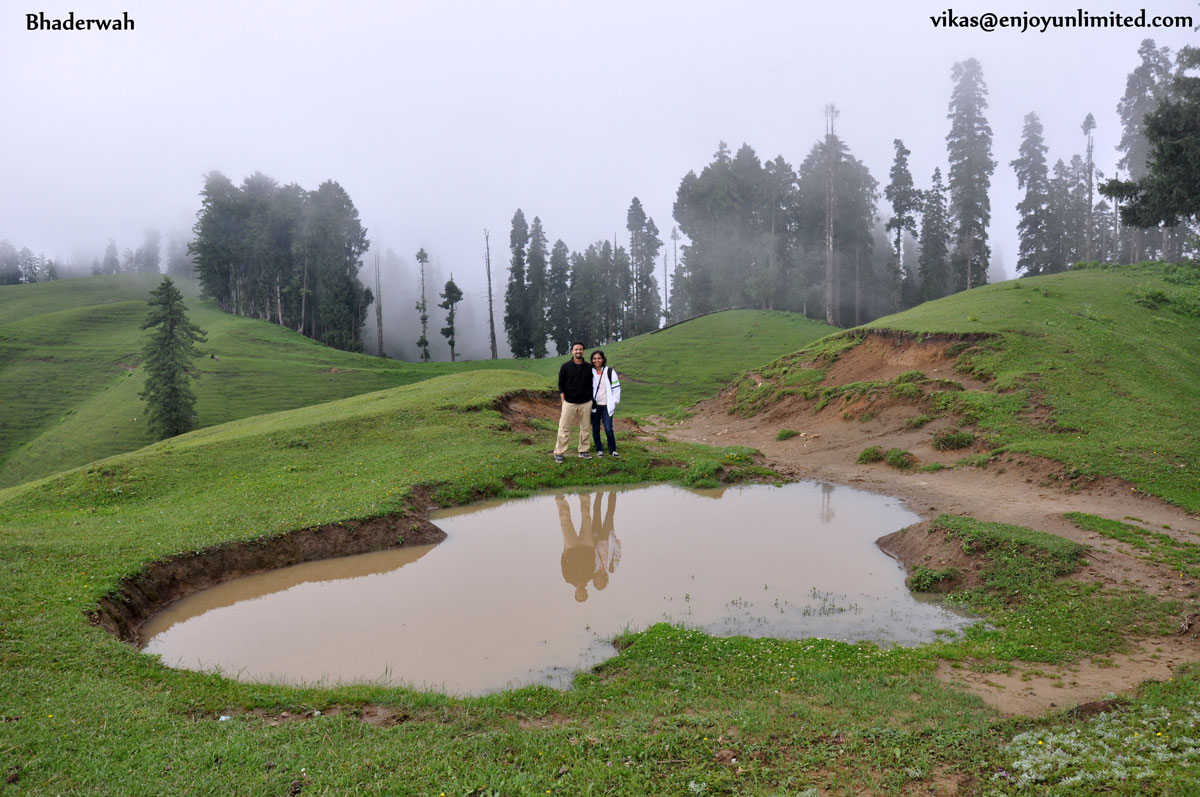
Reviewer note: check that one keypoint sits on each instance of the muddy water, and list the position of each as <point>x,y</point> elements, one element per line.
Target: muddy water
<point>527,591</point>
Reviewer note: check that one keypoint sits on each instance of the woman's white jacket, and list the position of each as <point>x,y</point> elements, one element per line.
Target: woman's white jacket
<point>612,385</point>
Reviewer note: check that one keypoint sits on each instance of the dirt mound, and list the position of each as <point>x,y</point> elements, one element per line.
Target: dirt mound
<point>522,406</point>
<point>884,355</point>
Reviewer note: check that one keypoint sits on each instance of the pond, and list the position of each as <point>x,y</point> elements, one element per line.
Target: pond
<point>530,590</point>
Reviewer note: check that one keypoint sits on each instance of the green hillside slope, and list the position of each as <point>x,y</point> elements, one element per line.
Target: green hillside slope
<point>70,376</point>
<point>1096,368</point>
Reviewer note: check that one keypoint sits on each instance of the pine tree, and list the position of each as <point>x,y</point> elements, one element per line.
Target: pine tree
<point>111,264</point>
<point>1168,193</point>
<point>451,296</point>
<point>644,245</point>
<point>969,152</point>
<point>558,297</point>
<point>516,308</point>
<point>168,356</point>
<point>535,294</point>
<point>933,263</point>
<point>422,308</point>
<point>1089,124</point>
<point>906,204</point>
<point>1033,230</point>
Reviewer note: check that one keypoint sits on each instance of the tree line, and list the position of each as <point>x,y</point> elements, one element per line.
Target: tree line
<point>283,254</point>
<point>606,292</point>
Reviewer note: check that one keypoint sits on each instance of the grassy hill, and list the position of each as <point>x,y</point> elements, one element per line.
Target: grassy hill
<point>1095,368</point>
<point>82,713</point>
<point>70,377</point>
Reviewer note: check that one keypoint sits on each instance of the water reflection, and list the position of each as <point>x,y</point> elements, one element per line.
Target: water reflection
<point>592,552</point>
<point>502,602</point>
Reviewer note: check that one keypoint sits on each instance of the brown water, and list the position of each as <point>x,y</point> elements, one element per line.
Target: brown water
<point>530,590</point>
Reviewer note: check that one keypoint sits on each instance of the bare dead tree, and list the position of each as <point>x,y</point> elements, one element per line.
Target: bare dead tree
<point>378,305</point>
<point>487,262</point>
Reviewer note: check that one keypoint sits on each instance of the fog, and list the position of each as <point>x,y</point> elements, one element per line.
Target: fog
<point>440,119</point>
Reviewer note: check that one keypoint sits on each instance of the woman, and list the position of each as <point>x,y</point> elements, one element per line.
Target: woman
<point>606,394</point>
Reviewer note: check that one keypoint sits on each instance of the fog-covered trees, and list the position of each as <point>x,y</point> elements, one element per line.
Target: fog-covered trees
<point>1168,192</point>
<point>645,305</point>
<point>283,254</point>
<point>969,153</point>
<point>168,357</point>
<point>1033,177</point>
<point>451,296</point>
<point>905,200</point>
<point>422,309</point>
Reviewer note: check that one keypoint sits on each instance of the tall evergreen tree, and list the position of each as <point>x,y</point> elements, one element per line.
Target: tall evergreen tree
<point>558,297</point>
<point>969,152</point>
<point>111,265</point>
<point>1168,192</point>
<point>1089,124</point>
<point>148,254</point>
<point>451,296</point>
<point>934,261</point>
<point>1145,87</point>
<point>906,204</point>
<point>422,309</point>
<point>168,356</point>
<point>644,245</point>
<point>535,294</point>
<point>516,299</point>
<point>1033,177</point>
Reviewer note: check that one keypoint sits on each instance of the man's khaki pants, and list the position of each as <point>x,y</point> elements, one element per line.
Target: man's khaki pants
<point>573,414</point>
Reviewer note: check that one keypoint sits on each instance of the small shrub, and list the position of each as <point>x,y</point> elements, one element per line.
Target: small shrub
<point>1150,297</point>
<point>869,455</point>
<point>925,579</point>
<point>952,440</point>
<point>899,458</point>
<point>786,434</point>
<point>918,422</point>
<point>909,376</point>
<point>703,474</point>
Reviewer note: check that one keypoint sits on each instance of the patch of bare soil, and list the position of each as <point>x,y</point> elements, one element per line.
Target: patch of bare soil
<point>1020,490</point>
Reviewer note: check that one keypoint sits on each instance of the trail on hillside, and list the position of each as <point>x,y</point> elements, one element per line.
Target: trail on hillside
<point>1017,489</point>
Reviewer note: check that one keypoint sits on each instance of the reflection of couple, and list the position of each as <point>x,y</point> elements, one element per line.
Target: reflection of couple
<point>594,552</point>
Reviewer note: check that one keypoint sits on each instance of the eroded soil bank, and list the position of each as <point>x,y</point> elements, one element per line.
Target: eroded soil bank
<point>1020,490</point>
<point>137,598</point>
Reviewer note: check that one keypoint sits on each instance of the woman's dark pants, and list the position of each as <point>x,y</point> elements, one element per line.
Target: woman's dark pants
<point>600,416</point>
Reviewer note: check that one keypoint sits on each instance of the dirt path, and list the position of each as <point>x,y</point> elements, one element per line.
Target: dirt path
<point>1018,490</point>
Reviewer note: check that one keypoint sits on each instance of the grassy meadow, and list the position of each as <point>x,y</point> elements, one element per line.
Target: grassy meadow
<point>677,711</point>
<point>70,351</point>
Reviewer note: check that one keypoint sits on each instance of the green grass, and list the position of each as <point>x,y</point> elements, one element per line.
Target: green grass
<point>1113,375</point>
<point>82,713</point>
<point>79,707</point>
<point>1179,555</point>
<point>70,353</point>
<point>786,434</point>
<point>870,454</point>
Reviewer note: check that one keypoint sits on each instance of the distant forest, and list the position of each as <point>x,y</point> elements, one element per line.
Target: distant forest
<point>825,238</point>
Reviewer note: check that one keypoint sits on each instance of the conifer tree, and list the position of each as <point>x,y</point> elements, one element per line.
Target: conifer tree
<point>423,341</point>
<point>535,293</point>
<point>516,302</point>
<point>933,263</point>
<point>451,296</point>
<point>969,152</point>
<point>906,204</point>
<point>1033,230</point>
<point>168,356</point>
<point>558,297</point>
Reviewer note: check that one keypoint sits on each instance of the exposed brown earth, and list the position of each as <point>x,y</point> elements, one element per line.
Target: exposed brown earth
<point>1020,490</point>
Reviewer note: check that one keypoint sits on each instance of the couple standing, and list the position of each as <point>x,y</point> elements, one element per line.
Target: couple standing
<point>586,390</point>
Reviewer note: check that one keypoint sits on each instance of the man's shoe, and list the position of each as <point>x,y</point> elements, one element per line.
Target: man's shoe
<point>558,458</point>
<point>615,455</point>
<point>585,455</point>
<point>600,453</point>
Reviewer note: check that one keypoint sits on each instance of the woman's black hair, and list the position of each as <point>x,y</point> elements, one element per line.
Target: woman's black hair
<point>601,353</point>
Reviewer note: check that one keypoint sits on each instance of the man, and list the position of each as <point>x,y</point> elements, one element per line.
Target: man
<point>575,392</point>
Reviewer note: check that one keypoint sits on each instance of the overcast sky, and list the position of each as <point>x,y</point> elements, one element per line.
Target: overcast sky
<point>442,118</point>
